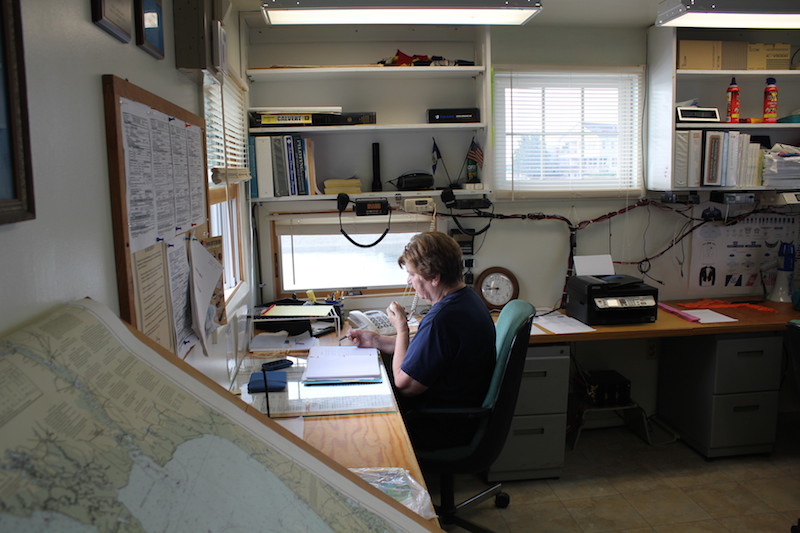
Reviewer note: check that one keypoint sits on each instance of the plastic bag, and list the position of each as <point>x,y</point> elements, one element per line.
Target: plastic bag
<point>398,483</point>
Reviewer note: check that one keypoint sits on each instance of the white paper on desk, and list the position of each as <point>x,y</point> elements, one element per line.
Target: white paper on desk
<point>264,342</point>
<point>707,316</point>
<point>558,323</point>
<point>593,265</point>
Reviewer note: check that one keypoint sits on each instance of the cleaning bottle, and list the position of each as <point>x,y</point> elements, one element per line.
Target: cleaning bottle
<point>733,101</point>
<point>770,101</point>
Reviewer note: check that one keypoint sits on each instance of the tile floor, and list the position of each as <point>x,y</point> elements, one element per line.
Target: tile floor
<point>616,482</point>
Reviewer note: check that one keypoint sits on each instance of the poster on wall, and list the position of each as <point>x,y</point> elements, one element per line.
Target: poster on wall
<point>741,258</point>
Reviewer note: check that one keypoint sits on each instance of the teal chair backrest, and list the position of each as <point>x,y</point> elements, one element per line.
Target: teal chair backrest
<point>512,316</point>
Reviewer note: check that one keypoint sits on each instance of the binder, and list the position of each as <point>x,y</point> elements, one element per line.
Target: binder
<point>264,177</point>
<point>280,172</point>
<point>680,166</point>
<point>694,167</point>
<point>713,152</point>
<point>342,364</point>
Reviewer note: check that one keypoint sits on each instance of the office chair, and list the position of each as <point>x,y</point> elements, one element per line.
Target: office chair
<point>492,420</point>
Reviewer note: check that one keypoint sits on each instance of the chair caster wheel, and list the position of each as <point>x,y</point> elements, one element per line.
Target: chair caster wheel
<point>502,500</point>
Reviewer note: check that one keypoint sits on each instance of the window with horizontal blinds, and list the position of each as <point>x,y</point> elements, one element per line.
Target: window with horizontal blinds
<point>226,147</point>
<point>226,123</point>
<point>568,131</point>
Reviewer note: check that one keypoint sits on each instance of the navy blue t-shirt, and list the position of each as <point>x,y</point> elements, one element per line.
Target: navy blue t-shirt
<point>453,351</point>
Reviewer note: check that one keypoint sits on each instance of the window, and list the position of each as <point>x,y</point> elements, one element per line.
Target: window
<point>313,254</point>
<point>226,145</point>
<point>568,131</point>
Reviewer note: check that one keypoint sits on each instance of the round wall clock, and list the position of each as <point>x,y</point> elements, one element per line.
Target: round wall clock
<point>497,286</point>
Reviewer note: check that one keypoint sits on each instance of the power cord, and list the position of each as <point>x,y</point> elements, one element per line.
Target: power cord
<point>342,201</point>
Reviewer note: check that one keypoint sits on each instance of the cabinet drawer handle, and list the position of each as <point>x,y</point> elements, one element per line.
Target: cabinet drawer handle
<point>531,431</point>
<point>751,353</point>
<point>743,408</point>
<point>537,374</point>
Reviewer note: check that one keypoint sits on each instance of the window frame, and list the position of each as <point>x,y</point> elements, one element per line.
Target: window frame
<point>226,147</point>
<point>354,225</point>
<point>505,186</point>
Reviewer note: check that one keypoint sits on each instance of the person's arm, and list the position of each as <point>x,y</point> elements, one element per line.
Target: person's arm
<point>364,338</point>
<point>404,383</point>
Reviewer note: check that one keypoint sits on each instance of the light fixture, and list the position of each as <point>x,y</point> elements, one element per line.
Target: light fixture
<point>761,14</point>
<point>450,12</point>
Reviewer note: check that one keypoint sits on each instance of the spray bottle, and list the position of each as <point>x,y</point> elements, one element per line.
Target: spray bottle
<point>781,291</point>
<point>733,101</point>
<point>770,101</point>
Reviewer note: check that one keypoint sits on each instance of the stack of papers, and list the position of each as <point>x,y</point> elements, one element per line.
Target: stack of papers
<point>342,364</point>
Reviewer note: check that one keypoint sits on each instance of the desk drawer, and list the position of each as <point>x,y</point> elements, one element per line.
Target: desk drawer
<point>745,364</point>
<point>545,381</point>
<point>534,448</point>
<point>743,419</point>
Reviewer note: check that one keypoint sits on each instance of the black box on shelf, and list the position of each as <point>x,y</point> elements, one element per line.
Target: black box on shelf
<point>462,114</point>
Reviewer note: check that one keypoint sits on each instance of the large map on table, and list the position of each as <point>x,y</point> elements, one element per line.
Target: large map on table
<point>101,433</point>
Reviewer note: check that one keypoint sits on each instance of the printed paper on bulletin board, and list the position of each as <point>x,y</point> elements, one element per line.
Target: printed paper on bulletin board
<point>737,259</point>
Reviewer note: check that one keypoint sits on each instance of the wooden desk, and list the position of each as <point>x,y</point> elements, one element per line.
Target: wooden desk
<point>354,440</point>
<point>364,440</point>
<point>669,325</point>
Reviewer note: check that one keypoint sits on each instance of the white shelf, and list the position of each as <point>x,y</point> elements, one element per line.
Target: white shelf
<point>358,72</point>
<point>369,128</point>
<point>754,73</point>
<point>736,126</point>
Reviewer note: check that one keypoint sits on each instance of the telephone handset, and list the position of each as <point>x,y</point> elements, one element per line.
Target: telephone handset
<point>373,320</point>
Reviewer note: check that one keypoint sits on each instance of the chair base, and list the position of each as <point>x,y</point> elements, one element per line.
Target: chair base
<point>448,510</point>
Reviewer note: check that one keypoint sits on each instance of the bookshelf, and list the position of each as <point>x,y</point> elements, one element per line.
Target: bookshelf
<point>296,70</point>
<point>668,85</point>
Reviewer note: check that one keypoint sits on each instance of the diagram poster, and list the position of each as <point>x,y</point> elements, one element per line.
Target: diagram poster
<point>733,257</point>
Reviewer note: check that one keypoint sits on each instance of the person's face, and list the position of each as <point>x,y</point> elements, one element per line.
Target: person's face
<point>423,287</point>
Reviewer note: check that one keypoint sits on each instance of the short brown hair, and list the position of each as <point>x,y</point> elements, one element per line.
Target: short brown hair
<point>434,253</point>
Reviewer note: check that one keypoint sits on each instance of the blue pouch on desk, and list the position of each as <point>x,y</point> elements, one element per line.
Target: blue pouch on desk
<point>275,379</point>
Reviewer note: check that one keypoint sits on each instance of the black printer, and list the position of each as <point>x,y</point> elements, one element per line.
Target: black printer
<point>611,299</point>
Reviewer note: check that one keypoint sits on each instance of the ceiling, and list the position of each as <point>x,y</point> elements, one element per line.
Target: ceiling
<point>607,13</point>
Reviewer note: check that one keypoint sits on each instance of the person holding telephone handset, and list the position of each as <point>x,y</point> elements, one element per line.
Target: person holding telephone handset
<point>450,360</point>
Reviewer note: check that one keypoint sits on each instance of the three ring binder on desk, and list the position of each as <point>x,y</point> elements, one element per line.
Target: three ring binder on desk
<point>332,365</point>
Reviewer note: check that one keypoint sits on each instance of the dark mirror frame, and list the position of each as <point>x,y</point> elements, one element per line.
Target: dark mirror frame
<point>17,202</point>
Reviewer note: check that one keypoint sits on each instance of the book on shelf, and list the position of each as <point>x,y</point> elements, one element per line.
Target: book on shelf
<point>301,120</point>
<point>251,164</point>
<point>261,168</point>
<point>280,169</point>
<point>338,185</point>
<point>713,153</point>
<point>716,158</point>
<point>281,165</point>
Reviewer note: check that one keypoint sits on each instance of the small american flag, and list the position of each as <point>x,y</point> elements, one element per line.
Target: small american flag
<point>475,153</point>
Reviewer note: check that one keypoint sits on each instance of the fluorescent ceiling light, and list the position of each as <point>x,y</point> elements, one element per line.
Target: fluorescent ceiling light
<point>762,14</point>
<point>455,12</point>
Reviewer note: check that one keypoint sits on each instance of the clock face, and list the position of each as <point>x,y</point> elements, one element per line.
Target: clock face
<point>497,286</point>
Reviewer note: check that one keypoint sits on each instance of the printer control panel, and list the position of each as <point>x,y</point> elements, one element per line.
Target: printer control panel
<point>624,302</point>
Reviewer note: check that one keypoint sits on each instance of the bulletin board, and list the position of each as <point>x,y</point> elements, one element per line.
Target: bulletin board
<point>159,201</point>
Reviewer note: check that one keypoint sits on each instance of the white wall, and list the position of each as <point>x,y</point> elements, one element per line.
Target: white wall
<point>67,252</point>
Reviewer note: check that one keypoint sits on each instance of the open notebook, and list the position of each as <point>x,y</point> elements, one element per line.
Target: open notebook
<point>342,364</point>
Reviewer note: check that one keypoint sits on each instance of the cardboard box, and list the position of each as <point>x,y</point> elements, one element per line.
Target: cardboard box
<point>734,55</point>
<point>768,56</point>
<point>700,55</point>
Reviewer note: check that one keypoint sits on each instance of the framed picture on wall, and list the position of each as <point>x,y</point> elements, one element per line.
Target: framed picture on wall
<point>114,16</point>
<point>150,27</point>
<point>16,178</point>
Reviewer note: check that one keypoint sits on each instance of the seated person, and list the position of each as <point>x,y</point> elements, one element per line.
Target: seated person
<point>449,362</point>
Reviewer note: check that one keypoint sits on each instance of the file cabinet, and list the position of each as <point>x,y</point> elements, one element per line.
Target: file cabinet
<point>720,392</point>
<point>535,445</point>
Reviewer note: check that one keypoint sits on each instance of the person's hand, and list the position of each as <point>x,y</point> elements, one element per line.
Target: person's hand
<point>397,316</point>
<point>364,338</point>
